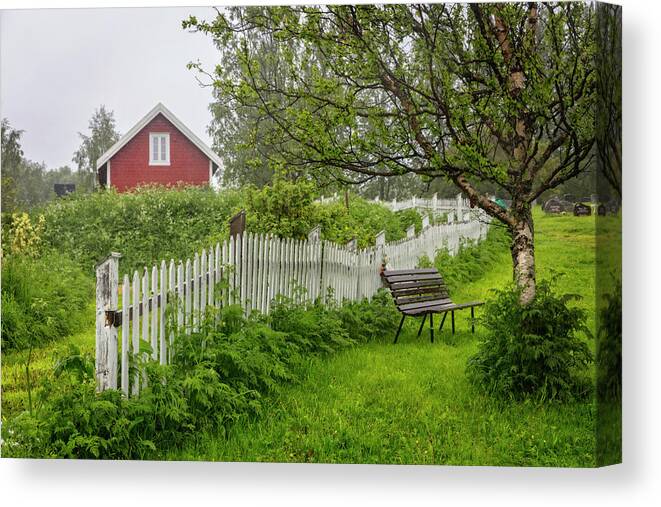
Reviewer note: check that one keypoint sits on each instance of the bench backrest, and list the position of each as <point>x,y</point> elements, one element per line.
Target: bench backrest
<point>416,286</point>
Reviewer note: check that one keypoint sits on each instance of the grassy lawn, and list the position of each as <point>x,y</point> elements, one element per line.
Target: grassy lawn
<point>411,402</point>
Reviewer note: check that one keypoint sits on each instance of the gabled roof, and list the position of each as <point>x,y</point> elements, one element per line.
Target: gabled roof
<point>158,109</point>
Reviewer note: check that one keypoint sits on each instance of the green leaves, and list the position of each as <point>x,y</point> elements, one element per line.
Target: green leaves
<point>347,92</point>
<point>147,225</point>
<point>102,135</point>
<point>76,363</point>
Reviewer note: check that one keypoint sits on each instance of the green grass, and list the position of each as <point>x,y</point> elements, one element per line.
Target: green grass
<point>411,402</point>
<point>402,404</point>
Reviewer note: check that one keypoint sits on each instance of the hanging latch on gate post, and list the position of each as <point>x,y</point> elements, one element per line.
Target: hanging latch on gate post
<point>113,318</point>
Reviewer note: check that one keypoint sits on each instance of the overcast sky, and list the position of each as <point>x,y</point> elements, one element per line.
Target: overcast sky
<point>58,65</point>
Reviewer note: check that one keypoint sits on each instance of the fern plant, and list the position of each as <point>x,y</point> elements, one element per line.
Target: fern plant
<point>533,351</point>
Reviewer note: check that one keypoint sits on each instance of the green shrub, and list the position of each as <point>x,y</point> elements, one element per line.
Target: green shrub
<point>145,226</point>
<point>532,351</point>
<point>155,223</point>
<point>314,326</point>
<point>284,208</point>
<point>369,321</point>
<point>289,209</point>
<point>363,220</point>
<point>43,299</point>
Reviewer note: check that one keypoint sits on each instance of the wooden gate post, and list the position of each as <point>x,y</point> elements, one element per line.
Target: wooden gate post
<point>107,283</point>
<point>238,224</point>
<point>380,239</point>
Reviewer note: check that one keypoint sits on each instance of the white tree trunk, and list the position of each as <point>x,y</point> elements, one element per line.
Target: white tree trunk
<point>523,257</point>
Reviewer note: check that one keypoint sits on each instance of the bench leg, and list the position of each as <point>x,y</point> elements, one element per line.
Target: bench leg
<point>431,326</point>
<point>452,321</point>
<point>442,322</point>
<point>401,322</point>
<point>472,319</point>
<point>424,317</point>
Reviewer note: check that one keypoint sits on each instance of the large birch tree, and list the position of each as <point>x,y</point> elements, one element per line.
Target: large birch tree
<point>498,93</point>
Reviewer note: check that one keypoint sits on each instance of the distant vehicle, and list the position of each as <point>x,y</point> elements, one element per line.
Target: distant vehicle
<point>612,207</point>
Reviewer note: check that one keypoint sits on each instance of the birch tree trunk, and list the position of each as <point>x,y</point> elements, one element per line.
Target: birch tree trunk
<point>523,255</point>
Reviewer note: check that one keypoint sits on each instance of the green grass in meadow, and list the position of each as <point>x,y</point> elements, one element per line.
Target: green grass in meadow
<point>405,404</point>
<point>411,402</point>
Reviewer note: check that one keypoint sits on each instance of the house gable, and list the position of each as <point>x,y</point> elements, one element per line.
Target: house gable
<point>182,158</point>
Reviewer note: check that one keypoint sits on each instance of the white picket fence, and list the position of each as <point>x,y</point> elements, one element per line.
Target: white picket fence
<point>256,268</point>
<point>434,204</point>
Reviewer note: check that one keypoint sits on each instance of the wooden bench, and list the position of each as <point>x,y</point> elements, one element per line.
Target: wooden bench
<point>422,292</point>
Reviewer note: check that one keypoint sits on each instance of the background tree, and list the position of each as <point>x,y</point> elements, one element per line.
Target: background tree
<point>12,157</point>
<point>240,132</point>
<point>499,93</point>
<point>102,136</point>
<point>609,110</point>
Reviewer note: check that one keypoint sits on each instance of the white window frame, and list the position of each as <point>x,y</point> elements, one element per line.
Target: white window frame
<point>159,135</point>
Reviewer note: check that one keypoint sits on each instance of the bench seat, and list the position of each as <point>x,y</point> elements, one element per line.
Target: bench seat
<point>423,292</point>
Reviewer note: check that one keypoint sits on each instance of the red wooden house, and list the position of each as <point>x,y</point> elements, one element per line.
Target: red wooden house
<point>159,149</point>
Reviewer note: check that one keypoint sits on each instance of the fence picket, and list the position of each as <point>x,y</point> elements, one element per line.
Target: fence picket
<point>180,296</point>
<point>241,258</point>
<point>126,287</point>
<point>259,269</point>
<point>294,269</point>
<point>188,312</point>
<point>276,268</point>
<point>145,308</point>
<point>196,292</point>
<point>254,272</point>
<point>263,258</point>
<point>232,273</point>
<point>224,274</point>
<point>145,314</point>
<point>135,301</point>
<point>211,282</point>
<point>268,266</point>
<point>161,314</point>
<point>171,299</point>
<point>154,313</point>
<point>203,284</point>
